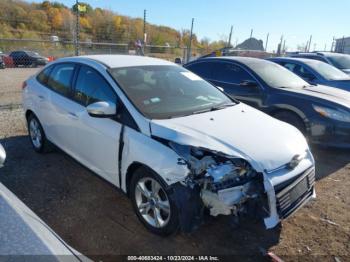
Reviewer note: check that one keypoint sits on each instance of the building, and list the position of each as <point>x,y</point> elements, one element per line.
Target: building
<point>342,45</point>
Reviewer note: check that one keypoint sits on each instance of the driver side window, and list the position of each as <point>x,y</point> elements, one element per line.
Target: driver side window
<point>231,73</point>
<point>91,87</point>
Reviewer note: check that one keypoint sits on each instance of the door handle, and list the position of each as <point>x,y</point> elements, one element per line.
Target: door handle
<point>73,115</point>
<point>41,97</point>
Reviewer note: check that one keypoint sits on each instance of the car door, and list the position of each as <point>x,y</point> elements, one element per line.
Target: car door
<point>237,82</point>
<point>60,119</point>
<point>97,139</point>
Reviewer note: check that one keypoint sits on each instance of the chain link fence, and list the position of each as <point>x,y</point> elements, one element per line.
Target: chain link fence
<point>33,53</point>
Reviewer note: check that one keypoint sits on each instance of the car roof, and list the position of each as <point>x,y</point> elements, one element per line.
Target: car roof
<point>297,59</point>
<point>241,59</point>
<point>318,53</point>
<point>116,61</point>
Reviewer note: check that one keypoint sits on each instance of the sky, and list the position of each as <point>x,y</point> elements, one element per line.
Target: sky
<point>296,20</point>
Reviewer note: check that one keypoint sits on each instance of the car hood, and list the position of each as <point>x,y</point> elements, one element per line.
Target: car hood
<point>331,94</point>
<point>240,131</point>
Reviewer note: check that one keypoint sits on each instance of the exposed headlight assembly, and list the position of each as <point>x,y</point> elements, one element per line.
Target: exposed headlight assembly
<point>332,113</point>
<point>216,169</point>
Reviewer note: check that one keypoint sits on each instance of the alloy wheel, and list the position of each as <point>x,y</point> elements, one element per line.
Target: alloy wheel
<point>35,133</point>
<point>152,202</point>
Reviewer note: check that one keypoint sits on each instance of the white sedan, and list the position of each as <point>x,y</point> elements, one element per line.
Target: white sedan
<point>175,144</point>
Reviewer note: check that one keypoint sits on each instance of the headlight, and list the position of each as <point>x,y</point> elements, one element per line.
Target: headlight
<point>332,113</point>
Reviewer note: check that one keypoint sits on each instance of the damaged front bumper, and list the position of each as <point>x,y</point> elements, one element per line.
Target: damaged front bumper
<point>238,190</point>
<point>228,185</point>
<point>287,197</point>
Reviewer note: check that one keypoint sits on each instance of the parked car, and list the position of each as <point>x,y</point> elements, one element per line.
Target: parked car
<point>315,72</point>
<point>340,61</point>
<point>27,58</point>
<point>2,156</point>
<point>320,112</point>
<point>170,140</point>
<point>24,233</point>
<point>2,63</point>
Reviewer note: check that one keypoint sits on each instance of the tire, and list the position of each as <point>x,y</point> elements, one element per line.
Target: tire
<point>146,182</point>
<point>291,118</point>
<point>36,134</point>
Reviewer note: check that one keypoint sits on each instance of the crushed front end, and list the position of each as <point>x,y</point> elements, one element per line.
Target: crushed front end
<point>227,185</point>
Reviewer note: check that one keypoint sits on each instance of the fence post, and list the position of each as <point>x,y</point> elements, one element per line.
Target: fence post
<point>77,29</point>
<point>190,43</point>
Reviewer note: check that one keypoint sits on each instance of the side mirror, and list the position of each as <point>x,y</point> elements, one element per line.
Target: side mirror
<point>102,109</point>
<point>2,156</point>
<point>248,83</point>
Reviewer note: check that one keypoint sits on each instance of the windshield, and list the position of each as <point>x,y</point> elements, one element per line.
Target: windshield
<point>276,76</point>
<point>327,71</point>
<point>340,61</point>
<point>161,92</point>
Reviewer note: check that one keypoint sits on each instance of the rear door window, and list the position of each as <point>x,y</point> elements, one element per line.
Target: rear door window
<point>91,87</point>
<point>60,78</point>
<point>43,76</point>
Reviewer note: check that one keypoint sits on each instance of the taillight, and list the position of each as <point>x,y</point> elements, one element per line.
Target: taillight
<point>24,84</point>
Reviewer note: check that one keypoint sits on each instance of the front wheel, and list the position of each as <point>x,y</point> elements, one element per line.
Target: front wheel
<point>152,204</point>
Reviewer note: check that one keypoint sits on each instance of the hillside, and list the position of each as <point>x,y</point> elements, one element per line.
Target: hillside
<point>24,20</point>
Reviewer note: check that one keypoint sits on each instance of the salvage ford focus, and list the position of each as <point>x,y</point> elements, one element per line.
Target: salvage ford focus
<point>175,144</point>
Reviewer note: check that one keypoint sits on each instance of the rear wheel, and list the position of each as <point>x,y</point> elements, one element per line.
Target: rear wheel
<point>36,134</point>
<point>151,203</point>
<point>292,119</point>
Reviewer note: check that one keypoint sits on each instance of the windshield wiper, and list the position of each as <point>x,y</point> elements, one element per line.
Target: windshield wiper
<point>213,108</point>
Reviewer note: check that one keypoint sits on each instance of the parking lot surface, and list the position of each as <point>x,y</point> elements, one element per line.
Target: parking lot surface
<point>97,219</point>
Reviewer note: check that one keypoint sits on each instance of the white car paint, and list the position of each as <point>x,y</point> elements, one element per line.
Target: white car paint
<point>237,131</point>
<point>240,131</point>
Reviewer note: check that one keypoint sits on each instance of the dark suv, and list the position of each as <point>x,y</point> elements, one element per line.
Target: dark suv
<point>340,61</point>
<point>27,58</point>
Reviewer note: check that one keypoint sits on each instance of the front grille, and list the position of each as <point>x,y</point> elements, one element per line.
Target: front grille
<point>293,196</point>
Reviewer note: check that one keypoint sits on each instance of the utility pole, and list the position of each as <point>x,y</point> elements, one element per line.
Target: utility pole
<point>333,41</point>
<point>229,38</point>
<point>251,33</point>
<point>77,29</point>
<point>144,27</point>
<point>267,40</point>
<point>190,43</point>
<point>279,47</point>
<point>308,49</point>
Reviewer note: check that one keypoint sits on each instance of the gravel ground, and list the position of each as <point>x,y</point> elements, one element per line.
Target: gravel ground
<point>11,80</point>
<point>96,219</point>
